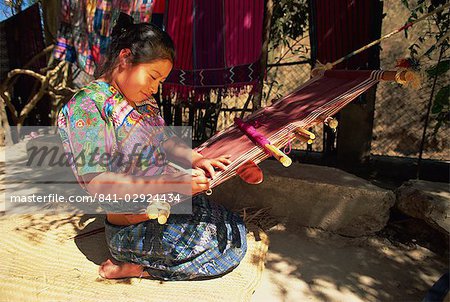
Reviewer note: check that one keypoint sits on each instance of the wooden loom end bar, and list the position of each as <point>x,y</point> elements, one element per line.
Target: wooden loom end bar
<point>401,76</point>
<point>396,76</point>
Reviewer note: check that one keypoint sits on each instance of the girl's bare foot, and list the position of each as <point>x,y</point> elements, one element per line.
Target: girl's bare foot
<point>112,269</point>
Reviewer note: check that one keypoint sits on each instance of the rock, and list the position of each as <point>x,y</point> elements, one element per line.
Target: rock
<point>429,201</point>
<point>314,196</point>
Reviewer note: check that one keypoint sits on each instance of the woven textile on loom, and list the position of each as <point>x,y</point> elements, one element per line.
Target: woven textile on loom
<point>86,25</point>
<point>218,45</point>
<point>310,104</point>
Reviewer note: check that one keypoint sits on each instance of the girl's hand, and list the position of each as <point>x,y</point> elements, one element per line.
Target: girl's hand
<point>200,182</point>
<point>208,164</point>
<point>189,184</point>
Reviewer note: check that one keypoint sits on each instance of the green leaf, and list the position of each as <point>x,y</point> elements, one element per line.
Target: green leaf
<point>439,69</point>
<point>441,100</point>
<point>436,109</point>
<point>405,3</point>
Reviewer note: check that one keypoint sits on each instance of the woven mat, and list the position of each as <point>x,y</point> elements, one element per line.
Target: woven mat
<point>40,260</point>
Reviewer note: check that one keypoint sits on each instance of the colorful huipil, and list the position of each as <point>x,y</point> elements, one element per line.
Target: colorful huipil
<point>209,242</point>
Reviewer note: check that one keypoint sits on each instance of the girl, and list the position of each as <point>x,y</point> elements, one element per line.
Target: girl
<point>114,114</point>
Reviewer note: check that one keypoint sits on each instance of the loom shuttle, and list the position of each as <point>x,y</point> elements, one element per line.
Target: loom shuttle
<point>279,155</point>
<point>304,132</point>
<point>304,135</point>
<point>304,139</point>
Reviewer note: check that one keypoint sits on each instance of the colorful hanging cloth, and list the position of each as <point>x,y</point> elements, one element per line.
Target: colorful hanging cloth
<point>218,45</point>
<point>85,27</point>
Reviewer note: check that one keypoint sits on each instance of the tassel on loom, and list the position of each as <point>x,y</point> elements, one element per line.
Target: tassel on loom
<point>408,73</point>
<point>320,68</point>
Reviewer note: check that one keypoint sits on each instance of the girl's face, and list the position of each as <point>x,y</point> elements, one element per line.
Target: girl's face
<point>138,82</point>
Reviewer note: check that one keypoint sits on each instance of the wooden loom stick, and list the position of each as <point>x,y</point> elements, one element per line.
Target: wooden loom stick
<point>398,76</point>
<point>402,76</point>
<point>304,135</point>
<point>263,142</point>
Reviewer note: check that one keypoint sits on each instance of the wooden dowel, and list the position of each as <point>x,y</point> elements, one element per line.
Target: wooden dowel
<point>404,77</point>
<point>390,75</point>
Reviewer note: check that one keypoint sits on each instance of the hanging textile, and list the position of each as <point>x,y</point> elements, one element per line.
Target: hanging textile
<point>21,38</point>
<point>86,25</point>
<point>333,34</point>
<point>218,45</point>
<point>158,13</point>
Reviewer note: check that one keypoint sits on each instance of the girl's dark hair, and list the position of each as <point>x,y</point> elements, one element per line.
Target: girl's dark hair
<point>146,41</point>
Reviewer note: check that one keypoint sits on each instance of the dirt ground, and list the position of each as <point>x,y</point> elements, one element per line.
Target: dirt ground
<point>400,263</point>
<point>307,264</point>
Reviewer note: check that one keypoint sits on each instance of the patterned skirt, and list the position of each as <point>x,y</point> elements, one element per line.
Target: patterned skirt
<point>209,242</point>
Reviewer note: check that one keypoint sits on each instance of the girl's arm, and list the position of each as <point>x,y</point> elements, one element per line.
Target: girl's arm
<point>177,151</point>
<point>122,184</point>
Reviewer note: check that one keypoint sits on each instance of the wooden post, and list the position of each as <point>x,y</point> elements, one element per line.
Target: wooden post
<point>178,118</point>
<point>354,136</point>
<point>167,110</point>
<point>355,132</point>
<point>256,101</point>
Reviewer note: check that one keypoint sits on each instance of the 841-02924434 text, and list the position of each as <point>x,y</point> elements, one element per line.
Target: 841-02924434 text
<point>102,198</point>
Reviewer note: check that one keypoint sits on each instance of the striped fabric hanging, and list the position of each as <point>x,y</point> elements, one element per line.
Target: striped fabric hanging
<point>218,45</point>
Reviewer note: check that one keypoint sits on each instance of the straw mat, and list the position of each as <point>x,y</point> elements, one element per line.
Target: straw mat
<point>42,260</point>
